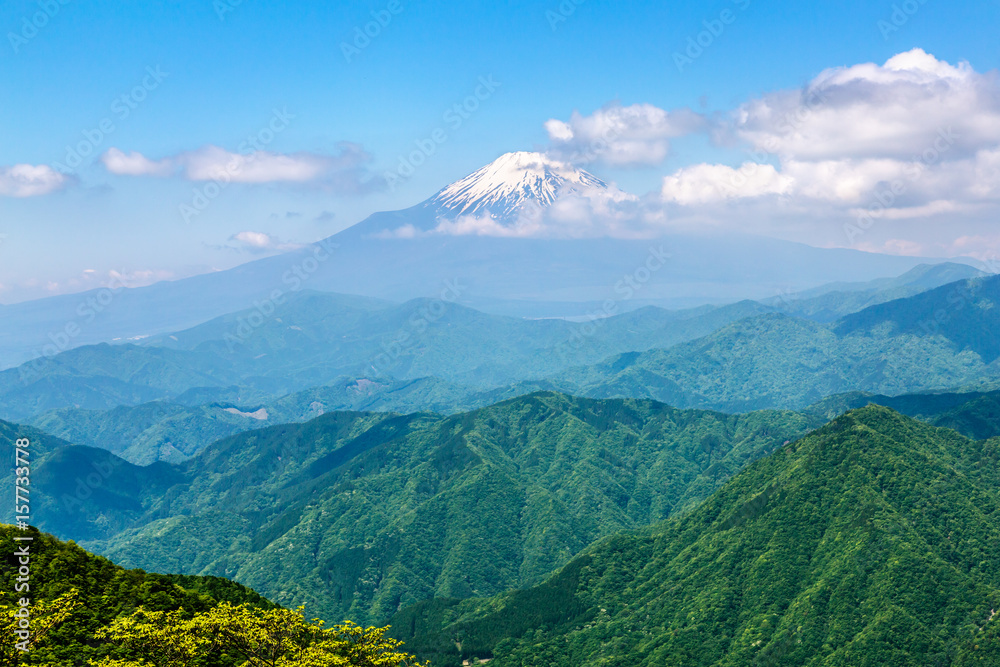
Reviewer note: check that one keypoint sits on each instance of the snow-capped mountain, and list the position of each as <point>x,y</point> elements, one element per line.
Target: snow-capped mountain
<point>510,184</point>
<point>396,255</point>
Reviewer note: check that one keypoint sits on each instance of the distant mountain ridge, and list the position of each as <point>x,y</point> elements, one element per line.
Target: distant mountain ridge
<point>741,357</point>
<point>943,338</point>
<point>314,339</point>
<point>830,302</point>
<point>520,276</point>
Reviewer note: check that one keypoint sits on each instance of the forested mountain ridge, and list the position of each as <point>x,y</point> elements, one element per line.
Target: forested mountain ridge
<point>939,339</point>
<point>358,514</point>
<point>867,542</point>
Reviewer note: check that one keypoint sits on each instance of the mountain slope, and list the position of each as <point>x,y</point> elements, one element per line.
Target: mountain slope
<point>831,302</point>
<point>965,313</point>
<point>313,339</point>
<point>752,358</point>
<point>775,360</point>
<point>173,432</point>
<point>867,542</point>
<point>106,591</point>
<point>974,414</point>
<point>357,514</point>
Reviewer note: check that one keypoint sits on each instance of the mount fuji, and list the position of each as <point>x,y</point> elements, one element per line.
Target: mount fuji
<point>513,188</point>
<point>411,253</point>
<point>513,183</point>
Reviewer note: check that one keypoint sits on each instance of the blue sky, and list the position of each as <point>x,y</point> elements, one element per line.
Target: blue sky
<point>225,68</point>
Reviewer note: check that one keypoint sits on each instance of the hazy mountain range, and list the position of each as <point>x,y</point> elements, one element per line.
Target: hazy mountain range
<point>408,254</point>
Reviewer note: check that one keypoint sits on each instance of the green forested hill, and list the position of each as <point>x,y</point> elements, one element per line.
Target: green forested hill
<point>776,360</point>
<point>173,432</point>
<point>946,337</point>
<point>835,300</point>
<point>359,514</point>
<point>106,591</point>
<point>313,339</point>
<point>973,414</point>
<point>964,313</point>
<point>870,542</point>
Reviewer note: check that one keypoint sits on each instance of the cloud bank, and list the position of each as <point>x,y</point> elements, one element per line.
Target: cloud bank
<point>621,136</point>
<point>347,171</point>
<point>27,180</point>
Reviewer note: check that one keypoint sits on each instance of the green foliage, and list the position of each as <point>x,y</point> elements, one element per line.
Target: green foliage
<point>254,637</point>
<point>869,542</point>
<point>45,616</point>
<point>971,413</point>
<point>164,431</point>
<point>965,314</point>
<point>739,357</point>
<point>360,514</point>
<point>778,361</point>
<point>75,594</point>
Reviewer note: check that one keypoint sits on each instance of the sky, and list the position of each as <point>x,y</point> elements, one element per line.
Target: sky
<point>158,140</point>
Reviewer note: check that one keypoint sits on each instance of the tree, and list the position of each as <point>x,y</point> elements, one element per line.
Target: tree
<point>44,618</point>
<point>261,638</point>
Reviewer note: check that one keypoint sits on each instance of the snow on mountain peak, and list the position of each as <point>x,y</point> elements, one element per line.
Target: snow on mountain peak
<point>503,187</point>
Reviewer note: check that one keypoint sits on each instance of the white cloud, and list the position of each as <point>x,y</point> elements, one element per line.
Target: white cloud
<point>576,214</point>
<point>260,242</point>
<point>404,232</point>
<point>915,138</point>
<point>135,164</point>
<point>26,180</point>
<point>896,110</point>
<point>930,209</point>
<point>709,183</point>
<point>487,225</point>
<point>343,172</point>
<point>212,163</point>
<point>621,136</point>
